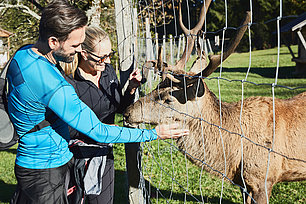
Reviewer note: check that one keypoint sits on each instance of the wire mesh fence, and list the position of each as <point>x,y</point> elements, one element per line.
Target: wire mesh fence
<point>233,145</point>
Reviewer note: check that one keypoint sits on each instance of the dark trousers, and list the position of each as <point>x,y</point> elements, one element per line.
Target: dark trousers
<point>37,186</point>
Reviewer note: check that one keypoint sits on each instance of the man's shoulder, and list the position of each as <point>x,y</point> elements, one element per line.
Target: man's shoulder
<point>39,74</point>
<point>22,52</point>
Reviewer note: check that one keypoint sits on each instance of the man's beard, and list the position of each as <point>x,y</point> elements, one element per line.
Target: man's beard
<point>59,55</point>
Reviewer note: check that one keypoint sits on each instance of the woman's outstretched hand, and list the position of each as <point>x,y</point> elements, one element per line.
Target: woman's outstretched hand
<point>168,131</point>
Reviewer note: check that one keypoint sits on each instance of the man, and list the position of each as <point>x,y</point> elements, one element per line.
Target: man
<point>38,93</point>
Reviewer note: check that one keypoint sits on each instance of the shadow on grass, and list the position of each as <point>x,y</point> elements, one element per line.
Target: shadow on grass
<point>121,190</point>
<point>181,197</point>
<point>283,72</point>
<point>6,191</point>
<point>121,187</point>
<point>13,151</point>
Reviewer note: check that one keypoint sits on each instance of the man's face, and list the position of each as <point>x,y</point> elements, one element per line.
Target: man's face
<point>68,48</point>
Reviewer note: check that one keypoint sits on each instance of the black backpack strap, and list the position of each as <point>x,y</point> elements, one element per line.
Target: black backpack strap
<point>45,123</point>
<point>4,95</point>
<point>49,120</point>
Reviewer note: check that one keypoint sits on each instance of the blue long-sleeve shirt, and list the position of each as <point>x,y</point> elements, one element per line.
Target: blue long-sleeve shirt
<point>37,88</point>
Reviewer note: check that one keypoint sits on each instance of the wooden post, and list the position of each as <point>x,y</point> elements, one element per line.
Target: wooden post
<point>164,48</point>
<point>184,39</point>
<point>179,48</point>
<point>209,45</point>
<point>127,49</point>
<point>156,77</point>
<point>156,45</point>
<point>149,52</point>
<point>171,49</point>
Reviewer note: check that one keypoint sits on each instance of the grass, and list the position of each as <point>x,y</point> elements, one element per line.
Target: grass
<point>160,161</point>
<point>7,177</point>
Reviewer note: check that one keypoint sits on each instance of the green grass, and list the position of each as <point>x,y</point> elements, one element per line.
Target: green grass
<point>159,155</point>
<point>7,177</point>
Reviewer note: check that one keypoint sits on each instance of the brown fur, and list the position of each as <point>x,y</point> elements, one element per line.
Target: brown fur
<point>257,125</point>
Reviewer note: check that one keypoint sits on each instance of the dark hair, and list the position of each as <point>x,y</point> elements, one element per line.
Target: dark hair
<point>59,19</point>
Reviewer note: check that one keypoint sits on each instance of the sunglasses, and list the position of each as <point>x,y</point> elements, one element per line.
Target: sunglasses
<point>102,58</point>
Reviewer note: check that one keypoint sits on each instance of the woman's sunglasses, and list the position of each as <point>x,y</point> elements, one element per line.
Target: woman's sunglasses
<point>102,58</point>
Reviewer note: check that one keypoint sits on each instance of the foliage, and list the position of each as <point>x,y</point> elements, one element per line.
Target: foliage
<point>25,27</point>
<point>164,18</point>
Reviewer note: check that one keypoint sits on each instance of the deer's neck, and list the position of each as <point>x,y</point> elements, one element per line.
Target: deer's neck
<point>213,109</point>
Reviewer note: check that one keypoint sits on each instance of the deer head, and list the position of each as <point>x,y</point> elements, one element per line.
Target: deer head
<point>179,89</point>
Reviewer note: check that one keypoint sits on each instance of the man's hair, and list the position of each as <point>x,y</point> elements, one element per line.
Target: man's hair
<point>59,19</point>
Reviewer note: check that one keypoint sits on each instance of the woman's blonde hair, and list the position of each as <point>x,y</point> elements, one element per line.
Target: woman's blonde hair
<point>69,68</point>
<point>93,35</point>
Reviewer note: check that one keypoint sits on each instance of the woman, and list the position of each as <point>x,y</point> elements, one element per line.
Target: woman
<point>97,85</point>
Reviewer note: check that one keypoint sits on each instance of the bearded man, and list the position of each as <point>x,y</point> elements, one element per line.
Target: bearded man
<point>41,105</point>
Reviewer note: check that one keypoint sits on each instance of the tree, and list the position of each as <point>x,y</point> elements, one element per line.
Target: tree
<point>21,17</point>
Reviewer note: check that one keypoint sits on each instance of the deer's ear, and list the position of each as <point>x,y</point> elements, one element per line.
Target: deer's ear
<point>194,89</point>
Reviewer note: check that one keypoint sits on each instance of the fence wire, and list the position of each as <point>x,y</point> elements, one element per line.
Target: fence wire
<point>156,159</point>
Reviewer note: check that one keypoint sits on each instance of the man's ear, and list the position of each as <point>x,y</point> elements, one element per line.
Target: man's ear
<point>53,43</point>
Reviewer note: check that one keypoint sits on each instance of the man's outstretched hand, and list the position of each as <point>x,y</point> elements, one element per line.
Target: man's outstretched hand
<point>168,131</point>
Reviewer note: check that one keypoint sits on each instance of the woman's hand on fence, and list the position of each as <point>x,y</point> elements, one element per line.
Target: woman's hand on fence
<point>134,81</point>
<point>168,131</point>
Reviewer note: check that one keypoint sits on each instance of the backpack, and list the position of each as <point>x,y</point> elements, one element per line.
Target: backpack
<point>8,134</point>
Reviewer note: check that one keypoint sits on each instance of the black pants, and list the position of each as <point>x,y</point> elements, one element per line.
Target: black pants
<point>37,186</point>
<point>108,179</point>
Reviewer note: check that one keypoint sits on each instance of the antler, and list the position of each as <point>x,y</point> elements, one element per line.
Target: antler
<point>215,60</point>
<point>190,35</point>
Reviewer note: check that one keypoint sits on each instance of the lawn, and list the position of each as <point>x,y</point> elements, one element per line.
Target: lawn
<point>169,176</point>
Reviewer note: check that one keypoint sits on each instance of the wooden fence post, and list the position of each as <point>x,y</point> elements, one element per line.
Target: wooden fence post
<point>171,49</point>
<point>149,52</point>
<point>126,39</point>
<point>179,48</point>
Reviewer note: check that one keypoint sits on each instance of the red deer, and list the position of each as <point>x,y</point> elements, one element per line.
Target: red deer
<point>179,91</point>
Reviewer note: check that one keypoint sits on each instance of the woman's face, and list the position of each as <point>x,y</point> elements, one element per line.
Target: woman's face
<point>102,49</point>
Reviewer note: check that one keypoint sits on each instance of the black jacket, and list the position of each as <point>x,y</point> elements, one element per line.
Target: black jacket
<point>105,101</point>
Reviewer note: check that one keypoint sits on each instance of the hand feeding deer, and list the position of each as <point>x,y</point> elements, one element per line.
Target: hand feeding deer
<point>177,92</point>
